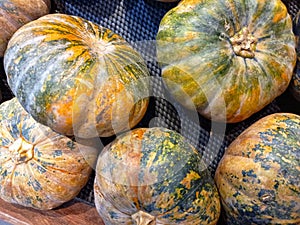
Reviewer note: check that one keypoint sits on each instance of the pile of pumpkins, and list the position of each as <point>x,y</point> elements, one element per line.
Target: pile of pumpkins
<point>75,80</point>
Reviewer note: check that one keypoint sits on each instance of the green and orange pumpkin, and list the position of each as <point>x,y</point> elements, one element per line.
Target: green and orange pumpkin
<point>77,77</point>
<point>228,59</point>
<point>258,177</point>
<point>16,13</point>
<point>154,176</point>
<point>39,168</point>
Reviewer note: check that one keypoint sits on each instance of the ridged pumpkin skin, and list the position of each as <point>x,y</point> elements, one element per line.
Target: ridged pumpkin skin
<point>154,176</point>
<point>259,175</point>
<point>295,83</point>
<point>77,77</point>
<point>233,56</point>
<point>16,13</point>
<point>39,168</point>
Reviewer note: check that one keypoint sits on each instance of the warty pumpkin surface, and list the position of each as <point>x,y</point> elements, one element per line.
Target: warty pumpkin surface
<point>39,168</point>
<point>154,176</point>
<point>16,13</point>
<point>259,175</point>
<point>227,58</point>
<point>77,77</point>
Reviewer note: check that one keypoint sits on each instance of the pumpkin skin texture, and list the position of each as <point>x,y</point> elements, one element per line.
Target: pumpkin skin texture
<point>295,83</point>
<point>237,55</point>
<point>76,77</point>
<point>39,168</point>
<point>16,13</point>
<point>258,177</point>
<point>153,176</point>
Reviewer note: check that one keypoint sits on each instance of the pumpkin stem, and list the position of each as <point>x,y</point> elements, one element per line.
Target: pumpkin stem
<point>21,151</point>
<point>143,218</point>
<point>244,43</point>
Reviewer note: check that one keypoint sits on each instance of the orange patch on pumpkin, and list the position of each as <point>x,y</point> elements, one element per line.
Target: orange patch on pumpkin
<point>279,15</point>
<point>189,178</point>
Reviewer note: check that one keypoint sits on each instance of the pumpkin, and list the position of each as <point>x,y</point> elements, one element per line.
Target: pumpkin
<point>226,59</point>
<point>259,175</point>
<point>77,77</point>
<point>39,168</point>
<point>16,13</point>
<point>154,176</point>
<point>295,83</point>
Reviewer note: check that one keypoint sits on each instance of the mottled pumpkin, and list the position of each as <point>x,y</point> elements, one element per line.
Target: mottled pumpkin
<point>154,176</point>
<point>77,77</point>
<point>39,168</point>
<point>259,175</point>
<point>16,13</point>
<point>228,59</point>
<point>295,83</point>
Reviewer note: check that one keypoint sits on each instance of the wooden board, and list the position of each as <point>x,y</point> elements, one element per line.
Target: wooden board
<point>74,212</point>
